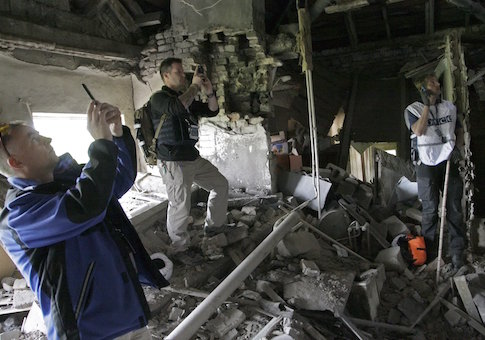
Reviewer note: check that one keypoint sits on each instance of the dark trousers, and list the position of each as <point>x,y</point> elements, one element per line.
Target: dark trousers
<point>430,183</point>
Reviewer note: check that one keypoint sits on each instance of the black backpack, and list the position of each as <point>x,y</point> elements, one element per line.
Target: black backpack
<point>146,134</point>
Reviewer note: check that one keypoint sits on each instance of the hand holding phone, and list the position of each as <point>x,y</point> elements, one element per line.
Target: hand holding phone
<point>425,95</point>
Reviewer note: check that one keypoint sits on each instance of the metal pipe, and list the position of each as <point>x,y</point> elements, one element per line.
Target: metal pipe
<point>442,222</point>
<point>187,328</point>
<point>313,126</point>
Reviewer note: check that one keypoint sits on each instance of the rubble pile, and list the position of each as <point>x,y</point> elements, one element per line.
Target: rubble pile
<point>340,277</point>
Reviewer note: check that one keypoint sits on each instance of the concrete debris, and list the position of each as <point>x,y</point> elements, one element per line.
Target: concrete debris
<point>225,321</point>
<point>364,298</point>
<point>318,271</point>
<point>395,227</point>
<point>23,298</point>
<point>10,335</point>
<point>309,268</point>
<point>410,308</point>
<point>299,243</point>
<point>392,259</point>
<point>20,284</point>
<point>329,291</point>
<point>7,283</point>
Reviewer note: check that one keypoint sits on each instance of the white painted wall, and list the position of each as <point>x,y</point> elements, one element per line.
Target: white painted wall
<point>142,92</point>
<point>54,89</point>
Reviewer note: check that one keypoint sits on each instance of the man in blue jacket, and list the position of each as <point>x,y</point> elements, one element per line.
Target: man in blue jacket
<point>64,228</point>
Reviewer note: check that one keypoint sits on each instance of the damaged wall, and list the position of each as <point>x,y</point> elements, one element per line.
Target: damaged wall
<point>52,89</point>
<point>241,72</point>
<point>207,15</point>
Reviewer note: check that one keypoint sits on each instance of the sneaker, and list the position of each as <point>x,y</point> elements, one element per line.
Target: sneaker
<point>457,261</point>
<point>212,231</point>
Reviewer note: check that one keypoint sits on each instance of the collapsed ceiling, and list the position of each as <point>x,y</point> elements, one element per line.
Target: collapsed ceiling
<point>71,33</point>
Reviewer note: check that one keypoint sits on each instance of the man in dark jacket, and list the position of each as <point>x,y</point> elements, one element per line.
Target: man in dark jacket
<point>179,162</point>
<point>64,228</point>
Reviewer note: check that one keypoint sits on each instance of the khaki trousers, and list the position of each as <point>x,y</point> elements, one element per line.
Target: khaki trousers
<point>139,334</point>
<point>178,178</point>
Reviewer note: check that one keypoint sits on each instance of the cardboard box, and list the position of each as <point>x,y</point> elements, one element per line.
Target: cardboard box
<point>283,162</point>
<point>278,137</point>
<point>295,163</point>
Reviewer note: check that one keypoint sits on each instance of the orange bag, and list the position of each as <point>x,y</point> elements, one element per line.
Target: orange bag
<point>417,247</point>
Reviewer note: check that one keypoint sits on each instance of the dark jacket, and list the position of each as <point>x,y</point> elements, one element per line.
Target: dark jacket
<point>174,142</point>
<point>74,244</point>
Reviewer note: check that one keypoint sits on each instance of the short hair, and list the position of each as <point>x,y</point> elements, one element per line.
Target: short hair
<point>5,169</point>
<point>166,65</point>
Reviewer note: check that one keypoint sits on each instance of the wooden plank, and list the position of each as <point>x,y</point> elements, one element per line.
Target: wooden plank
<point>466,296</point>
<point>38,37</point>
<point>471,321</point>
<point>429,16</point>
<point>347,128</point>
<point>268,328</point>
<point>133,7</point>
<point>470,7</point>
<point>382,325</point>
<point>404,148</point>
<point>442,290</point>
<point>123,15</point>
<point>13,310</point>
<point>386,22</point>
<point>350,5</point>
<point>149,19</point>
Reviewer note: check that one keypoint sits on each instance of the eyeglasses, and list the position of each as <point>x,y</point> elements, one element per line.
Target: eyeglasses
<point>4,130</point>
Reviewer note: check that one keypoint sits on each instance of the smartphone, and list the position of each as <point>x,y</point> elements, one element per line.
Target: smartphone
<point>425,91</point>
<point>88,92</point>
<point>199,69</point>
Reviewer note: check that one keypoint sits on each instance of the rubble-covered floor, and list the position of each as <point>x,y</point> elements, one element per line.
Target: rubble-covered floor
<point>308,288</point>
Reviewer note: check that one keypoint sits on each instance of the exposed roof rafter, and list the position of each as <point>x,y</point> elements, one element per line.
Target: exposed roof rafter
<point>471,7</point>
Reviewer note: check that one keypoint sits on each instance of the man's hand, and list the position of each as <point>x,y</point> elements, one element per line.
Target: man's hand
<point>428,98</point>
<point>113,118</point>
<point>198,80</point>
<point>97,125</point>
<point>455,156</point>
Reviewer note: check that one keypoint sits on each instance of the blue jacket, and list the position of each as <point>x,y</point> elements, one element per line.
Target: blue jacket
<point>75,246</point>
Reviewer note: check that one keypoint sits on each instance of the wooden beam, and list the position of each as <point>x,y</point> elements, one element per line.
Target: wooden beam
<point>470,7</point>
<point>38,37</point>
<point>347,128</point>
<point>149,19</point>
<point>123,15</point>
<point>404,148</point>
<point>93,6</point>
<point>429,16</point>
<point>133,7</point>
<point>347,6</point>
<point>475,31</point>
<point>471,321</point>
<point>317,8</point>
<point>352,32</point>
<point>466,297</point>
<point>386,22</point>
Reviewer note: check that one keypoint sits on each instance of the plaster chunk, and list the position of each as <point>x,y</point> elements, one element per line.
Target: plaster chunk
<point>329,291</point>
<point>225,321</point>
